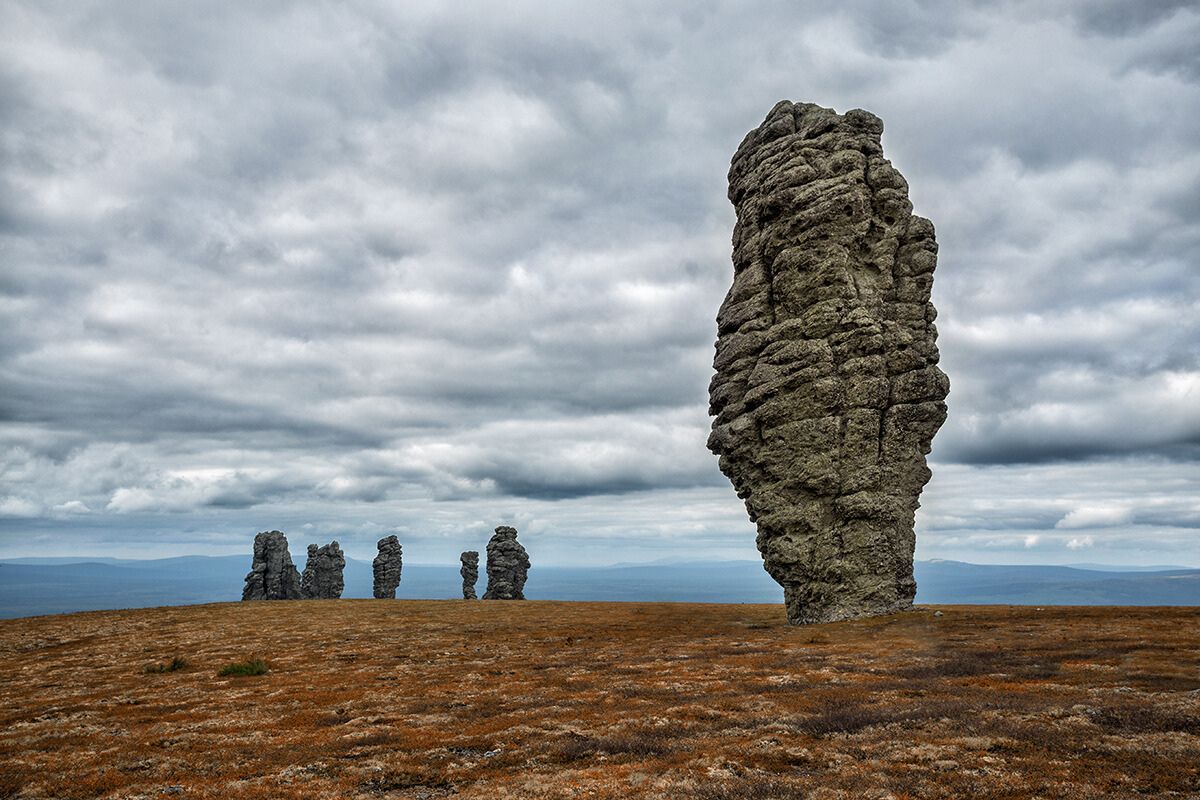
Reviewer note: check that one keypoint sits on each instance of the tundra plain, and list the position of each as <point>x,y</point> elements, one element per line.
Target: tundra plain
<point>539,699</point>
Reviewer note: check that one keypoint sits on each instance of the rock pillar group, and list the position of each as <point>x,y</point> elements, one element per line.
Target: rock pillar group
<point>273,576</point>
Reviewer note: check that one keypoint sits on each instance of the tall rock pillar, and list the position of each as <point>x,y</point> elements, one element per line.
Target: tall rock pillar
<point>323,578</point>
<point>507,566</point>
<point>470,573</point>
<point>386,567</point>
<point>827,393</point>
<point>272,574</point>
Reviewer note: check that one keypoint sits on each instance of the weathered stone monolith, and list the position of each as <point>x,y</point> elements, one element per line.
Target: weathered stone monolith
<point>272,575</point>
<point>827,393</point>
<point>507,566</point>
<point>322,578</point>
<point>387,566</point>
<point>469,572</point>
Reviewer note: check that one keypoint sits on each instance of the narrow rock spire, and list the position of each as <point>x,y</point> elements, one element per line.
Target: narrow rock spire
<point>469,572</point>
<point>387,566</point>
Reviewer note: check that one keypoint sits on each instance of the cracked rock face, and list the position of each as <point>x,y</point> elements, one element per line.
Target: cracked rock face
<point>507,566</point>
<point>827,394</point>
<point>322,578</point>
<point>387,566</point>
<point>272,575</point>
<point>469,572</point>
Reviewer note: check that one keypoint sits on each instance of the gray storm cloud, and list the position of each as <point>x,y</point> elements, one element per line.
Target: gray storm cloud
<point>422,269</point>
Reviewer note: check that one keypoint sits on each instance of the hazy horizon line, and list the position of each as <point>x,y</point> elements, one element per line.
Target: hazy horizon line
<point>78,559</point>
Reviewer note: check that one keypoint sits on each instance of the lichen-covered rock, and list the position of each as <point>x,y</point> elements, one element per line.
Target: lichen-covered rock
<point>322,578</point>
<point>387,566</point>
<point>470,572</point>
<point>272,575</point>
<point>507,566</point>
<point>827,393</point>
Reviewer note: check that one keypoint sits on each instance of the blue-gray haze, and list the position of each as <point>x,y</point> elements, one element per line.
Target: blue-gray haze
<point>52,586</point>
<point>424,268</point>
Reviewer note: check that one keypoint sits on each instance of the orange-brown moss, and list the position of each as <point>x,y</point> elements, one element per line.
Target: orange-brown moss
<point>367,699</point>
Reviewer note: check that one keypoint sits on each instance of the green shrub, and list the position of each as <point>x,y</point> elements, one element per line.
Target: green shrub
<point>255,666</point>
<point>174,665</point>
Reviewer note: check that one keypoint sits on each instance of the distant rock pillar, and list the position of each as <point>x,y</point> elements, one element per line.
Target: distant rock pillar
<point>272,574</point>
<point>469,572</point>
<point>323,573</point>
<point>387,566</point>
<point>507,566</point>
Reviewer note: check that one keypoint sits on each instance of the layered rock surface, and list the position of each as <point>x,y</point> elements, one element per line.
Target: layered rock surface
<point>387,566</point>
<point>827,393</point>
<point>272,574</point>
<point>323,572</point>
<point>470,573</point>
<point>507,566</point>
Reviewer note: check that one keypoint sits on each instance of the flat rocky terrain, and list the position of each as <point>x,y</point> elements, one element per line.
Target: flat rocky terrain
<point>414,699</point>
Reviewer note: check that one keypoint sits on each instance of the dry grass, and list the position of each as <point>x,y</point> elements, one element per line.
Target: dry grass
<point>174,665</point>
<point>406,699</point>
<point>244,669</point>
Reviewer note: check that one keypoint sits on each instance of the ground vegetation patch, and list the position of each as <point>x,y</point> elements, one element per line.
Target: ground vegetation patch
<point>470,699</point>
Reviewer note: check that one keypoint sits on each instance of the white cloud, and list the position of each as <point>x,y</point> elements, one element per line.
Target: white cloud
<point>127,499</point>
<point>425,266</point>
<point>19,507</point>
<point>1096,517</point>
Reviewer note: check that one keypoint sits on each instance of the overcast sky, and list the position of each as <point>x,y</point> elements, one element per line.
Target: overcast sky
<point>355,269</point>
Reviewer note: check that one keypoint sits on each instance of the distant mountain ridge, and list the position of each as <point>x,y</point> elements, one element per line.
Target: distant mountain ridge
<point>60,585</point>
